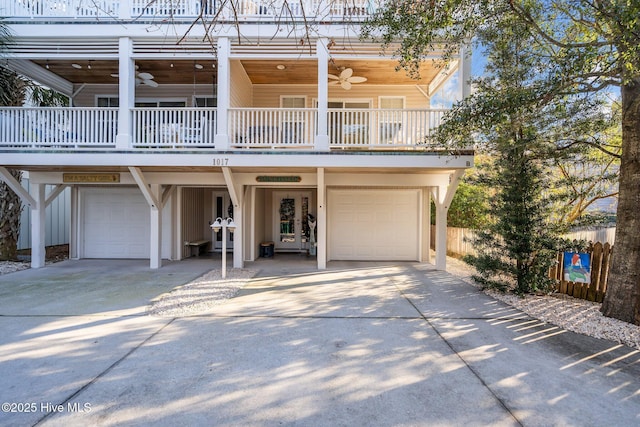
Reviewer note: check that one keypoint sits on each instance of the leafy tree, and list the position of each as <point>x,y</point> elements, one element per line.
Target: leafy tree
<point>586,46</point>
<point>12,93</point>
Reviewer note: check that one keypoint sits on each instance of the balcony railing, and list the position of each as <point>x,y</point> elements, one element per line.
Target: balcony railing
<point>73,128</point>
<point>188,9</point>
<point>195,128</point>
<point>272,127</point>
<point>174,128</point>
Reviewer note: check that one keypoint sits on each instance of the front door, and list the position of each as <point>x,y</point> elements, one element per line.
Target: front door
<point>291,228</point>
<point>222,208</point>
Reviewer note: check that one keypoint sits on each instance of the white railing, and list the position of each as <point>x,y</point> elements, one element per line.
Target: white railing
<point>272,127</point>
<point>223,9</point>
<point>180,128</point>
<point>59,8</point>
<point>74,128</point>
<point>382,128</point>
<point>195,128</point>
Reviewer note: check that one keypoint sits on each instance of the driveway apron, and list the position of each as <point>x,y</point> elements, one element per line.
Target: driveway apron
<point>366,344</point>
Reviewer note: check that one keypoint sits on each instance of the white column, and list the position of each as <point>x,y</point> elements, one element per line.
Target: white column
<point>464,72</point>
<point>224,94</point>
<point>74,226</point>
<point>426,226</point>
<point>38,221</point>
<point>126,79</point>
<point>155,230</point>
<point>443,195</point>
<point>125,9</point>
<point>321,229</point>
<point>238,239</point>
<point>322,138</point>
<point>441,228</point>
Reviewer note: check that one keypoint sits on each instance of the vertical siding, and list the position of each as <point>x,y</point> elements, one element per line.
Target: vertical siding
<point>268,96</point>
<point>193,217</point>
<point>241,87</point>
<point>58,219</point>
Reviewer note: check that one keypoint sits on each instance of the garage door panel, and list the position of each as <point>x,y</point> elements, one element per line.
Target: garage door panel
<point>115,223</point>
<point>374,224</point>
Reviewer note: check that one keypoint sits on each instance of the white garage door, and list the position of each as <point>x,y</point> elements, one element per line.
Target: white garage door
<point>115,223</point>
<point>373,225</point>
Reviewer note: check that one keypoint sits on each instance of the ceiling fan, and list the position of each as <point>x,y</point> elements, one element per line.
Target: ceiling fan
<point>345,79</point>
<point>142,78</point>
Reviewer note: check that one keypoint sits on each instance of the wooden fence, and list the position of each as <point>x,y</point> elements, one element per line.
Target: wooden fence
<point>600,256</point>
<point>458,244</point>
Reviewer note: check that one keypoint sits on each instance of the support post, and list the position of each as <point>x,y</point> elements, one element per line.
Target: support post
<point>127,88</point>
<point>38,221</point>
<point>321,230</point>
<point>322,138</point>
<point>443,195</point>
<point>155,230</point>
<point>224,97</point>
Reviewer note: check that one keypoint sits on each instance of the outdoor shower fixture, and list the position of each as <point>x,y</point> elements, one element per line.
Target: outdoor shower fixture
<point>224,225</point>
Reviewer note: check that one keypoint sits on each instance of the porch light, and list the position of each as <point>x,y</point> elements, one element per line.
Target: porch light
<point>281,67</point>
<point>76,66</point>
<point>224,224</point>
<point>198,66</point>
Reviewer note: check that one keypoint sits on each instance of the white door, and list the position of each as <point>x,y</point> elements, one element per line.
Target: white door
<point>115,223</point>
<point>222,208</point>
<point>373,225</point>
<point>291,228</point>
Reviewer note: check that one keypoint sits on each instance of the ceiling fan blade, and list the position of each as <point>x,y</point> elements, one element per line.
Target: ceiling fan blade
<point>345,85</point>
<point>151,83</point>
<point>334,83</point>
<point>145,76</point>
<point>357,79</point>
<point>138,81</point>
<point>346,73</point>
<point>334,77</point>
<point>115,75</point>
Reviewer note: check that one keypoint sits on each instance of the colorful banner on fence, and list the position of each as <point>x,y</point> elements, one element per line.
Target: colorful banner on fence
<point>577,267</point>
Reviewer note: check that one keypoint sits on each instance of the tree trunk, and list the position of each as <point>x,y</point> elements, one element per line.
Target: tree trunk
<point>10,210</point>
<point>622,299</point>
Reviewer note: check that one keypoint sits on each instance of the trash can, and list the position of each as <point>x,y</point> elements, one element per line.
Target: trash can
<point>266,249</point>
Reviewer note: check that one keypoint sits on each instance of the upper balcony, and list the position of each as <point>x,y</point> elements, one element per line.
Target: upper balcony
<point>188,129</point>
<point>185,10</point>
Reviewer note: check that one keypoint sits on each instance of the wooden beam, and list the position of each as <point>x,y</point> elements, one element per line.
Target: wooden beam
<point>15,185</point>
<point>233,191</point>
<point>144,187</point>
<point>168,192</point>
<point>56,191</point>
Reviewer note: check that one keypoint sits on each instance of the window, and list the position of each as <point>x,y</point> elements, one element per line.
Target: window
<point>390,131</point>
<point>205,102</point>
<point>107,101</point>
<point>295,101</point>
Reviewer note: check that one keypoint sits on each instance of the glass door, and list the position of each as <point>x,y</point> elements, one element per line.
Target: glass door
<point>291,228</point>
<point>222,208</point>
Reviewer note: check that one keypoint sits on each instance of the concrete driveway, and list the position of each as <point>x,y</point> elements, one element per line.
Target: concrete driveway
<point>361,344</point>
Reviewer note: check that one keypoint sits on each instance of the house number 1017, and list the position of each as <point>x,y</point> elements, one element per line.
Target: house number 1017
<point>221,161</point>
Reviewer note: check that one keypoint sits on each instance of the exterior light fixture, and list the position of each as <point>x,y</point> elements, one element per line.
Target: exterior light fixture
<point>224,225</point>
<point>76,66</point>
<point>281,67</point>
<point>198,66</point>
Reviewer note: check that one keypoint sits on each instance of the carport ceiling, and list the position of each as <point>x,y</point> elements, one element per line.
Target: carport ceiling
<point>295,72</point>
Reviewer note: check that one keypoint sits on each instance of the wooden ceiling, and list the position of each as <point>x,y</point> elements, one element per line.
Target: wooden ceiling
<point>303,71</point>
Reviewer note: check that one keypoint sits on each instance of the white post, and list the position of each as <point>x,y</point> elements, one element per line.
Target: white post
<point>155,230</point>
<point>38,221</point>
<point>126,78</point>
<point>426,226</point>
<point>321,230</point>
<point>224,249</point>
<point>322,138</point>
<point>464,72</point>
<point>224,94</point>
